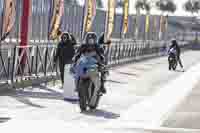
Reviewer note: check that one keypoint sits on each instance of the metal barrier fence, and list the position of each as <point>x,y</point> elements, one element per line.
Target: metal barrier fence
<point>20,64</point>
<point>72,22</point>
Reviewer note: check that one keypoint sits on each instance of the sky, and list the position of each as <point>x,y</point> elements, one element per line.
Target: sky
<point>179,11</point>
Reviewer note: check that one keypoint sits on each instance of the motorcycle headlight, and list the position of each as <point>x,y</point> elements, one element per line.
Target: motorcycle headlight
<point>84,70</point>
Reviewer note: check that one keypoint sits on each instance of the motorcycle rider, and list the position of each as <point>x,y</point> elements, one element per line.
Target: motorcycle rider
<point>65,52</point>
<point>174,45</point>
<point>91,46</point>
<point>87,67</point>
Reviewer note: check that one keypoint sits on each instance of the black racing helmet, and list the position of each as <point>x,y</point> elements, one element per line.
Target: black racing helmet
<point>91,38</point>
<point>174,42</point>
<point>65,36</point>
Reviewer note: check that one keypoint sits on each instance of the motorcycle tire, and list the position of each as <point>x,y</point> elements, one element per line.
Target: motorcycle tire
<point>82,93</point>
<point>170,62</point>
<point>174,65</point>
<point>170,65</point>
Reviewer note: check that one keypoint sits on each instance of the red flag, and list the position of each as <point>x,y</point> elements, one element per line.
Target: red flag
<point>9,16</point>
<point>25,22</point>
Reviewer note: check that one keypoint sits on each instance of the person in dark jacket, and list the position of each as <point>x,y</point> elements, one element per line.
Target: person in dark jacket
<point>65,52</point>
<point>102,40</point>
<point>73,39</point>
<point>91,45</point>
<point>103,44</point>
<point>178,50</point>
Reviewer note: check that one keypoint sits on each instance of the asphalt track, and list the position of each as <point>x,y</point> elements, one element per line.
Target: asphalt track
<point>127,85</point>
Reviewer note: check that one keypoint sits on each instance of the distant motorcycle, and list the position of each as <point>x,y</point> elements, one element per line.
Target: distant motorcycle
<point>88,75</point>
<point>172,59</point>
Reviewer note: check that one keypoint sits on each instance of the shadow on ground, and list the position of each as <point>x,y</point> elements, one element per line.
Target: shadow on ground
<point>141,68</point>
<point>117,82</point>
<point>4,119</point>
<point>43,92</point>
<point>129,74</point>
<point>41,95</point>
<point>180,71</point>
<point>27,101</point>
<point>102,113</point>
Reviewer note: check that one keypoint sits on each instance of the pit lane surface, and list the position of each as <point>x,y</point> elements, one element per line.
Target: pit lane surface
<point>126,86</point>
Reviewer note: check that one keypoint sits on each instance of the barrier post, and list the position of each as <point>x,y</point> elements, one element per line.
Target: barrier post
<point>69,86</point>
<point>13,66</point>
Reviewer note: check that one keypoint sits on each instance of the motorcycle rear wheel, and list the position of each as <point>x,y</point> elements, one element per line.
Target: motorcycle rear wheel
<point>170,64</point>
<point>174,65</point>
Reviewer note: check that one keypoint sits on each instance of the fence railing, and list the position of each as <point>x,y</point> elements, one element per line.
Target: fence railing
<point>22,63</point>
<point>73,17</point>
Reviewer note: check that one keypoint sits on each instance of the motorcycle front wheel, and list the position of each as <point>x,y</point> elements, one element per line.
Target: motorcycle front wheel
<point>174,65</point>
<point>170,63</point>
<point>82,93</point>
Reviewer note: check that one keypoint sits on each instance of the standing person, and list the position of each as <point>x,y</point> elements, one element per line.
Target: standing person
<point>65,52</point>
<point>102,44</point>
<point>101,41</point>
<point>73,39</point>
<point>178,50</point>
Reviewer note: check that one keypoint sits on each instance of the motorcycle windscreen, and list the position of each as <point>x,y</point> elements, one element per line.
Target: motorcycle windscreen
<point>84,64</point>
